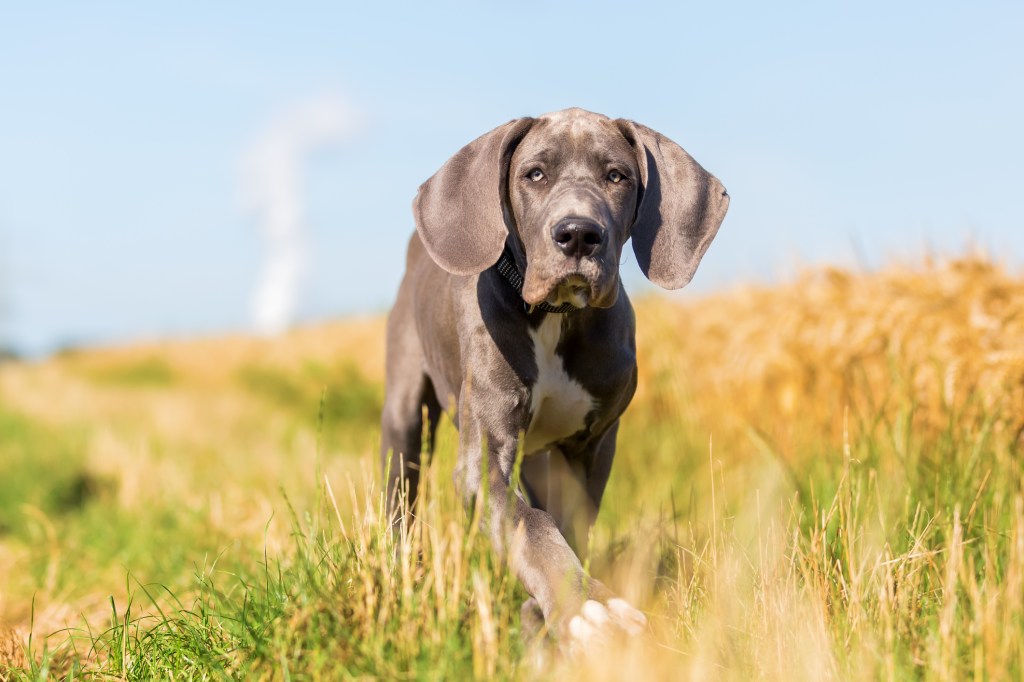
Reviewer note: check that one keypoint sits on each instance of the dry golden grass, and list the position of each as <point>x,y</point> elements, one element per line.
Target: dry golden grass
<point>791,358</point>
<point>818,480</point>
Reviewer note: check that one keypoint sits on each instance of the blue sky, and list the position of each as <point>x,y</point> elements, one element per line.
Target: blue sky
<point>850,133</point>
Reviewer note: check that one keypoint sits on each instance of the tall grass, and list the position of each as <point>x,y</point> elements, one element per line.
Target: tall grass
<point>816,481</point>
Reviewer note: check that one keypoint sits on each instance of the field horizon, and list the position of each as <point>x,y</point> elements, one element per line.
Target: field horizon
<point>819,479</point>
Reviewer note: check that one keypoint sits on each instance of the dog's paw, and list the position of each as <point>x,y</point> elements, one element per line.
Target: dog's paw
<point>597,622</point>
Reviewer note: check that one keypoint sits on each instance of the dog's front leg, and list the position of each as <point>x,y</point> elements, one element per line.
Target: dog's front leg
<point>574,605</point>
<point>527,538</point>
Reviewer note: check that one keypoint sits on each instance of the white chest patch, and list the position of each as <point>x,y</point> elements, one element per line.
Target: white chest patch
<point>559,404</point>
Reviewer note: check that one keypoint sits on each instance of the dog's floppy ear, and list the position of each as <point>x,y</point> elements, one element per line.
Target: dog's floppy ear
<point>460,210</point>
<point>681,207</point>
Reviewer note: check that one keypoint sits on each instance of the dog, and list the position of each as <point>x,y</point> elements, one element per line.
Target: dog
<point>512,315</point>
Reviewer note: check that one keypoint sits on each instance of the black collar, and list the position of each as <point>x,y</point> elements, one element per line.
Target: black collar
<point>507,269</point>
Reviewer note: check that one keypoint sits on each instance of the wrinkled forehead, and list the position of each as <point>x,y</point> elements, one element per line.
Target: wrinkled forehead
<point>574,135</point>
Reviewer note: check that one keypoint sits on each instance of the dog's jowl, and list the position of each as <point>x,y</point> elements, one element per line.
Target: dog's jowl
<point>512,314</point>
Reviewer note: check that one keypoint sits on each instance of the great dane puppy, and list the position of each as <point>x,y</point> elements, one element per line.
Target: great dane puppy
<point>512,314</point>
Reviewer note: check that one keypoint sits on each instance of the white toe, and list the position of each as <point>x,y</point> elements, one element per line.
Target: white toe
<point>595,612</point>
<point>581,630</point>
<point>629,619</point>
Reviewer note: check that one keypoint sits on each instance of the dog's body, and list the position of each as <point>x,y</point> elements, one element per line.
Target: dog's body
<point>527,220</point>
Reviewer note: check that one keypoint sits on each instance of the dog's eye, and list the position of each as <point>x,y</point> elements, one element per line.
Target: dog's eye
<point>615,176</point>
<point>536,175</point>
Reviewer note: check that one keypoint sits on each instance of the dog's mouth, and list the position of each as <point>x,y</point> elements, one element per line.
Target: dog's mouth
<point>574,290</point>
<point>585,286</point>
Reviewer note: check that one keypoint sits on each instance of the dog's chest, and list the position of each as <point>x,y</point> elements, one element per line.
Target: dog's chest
<point>559,404</point>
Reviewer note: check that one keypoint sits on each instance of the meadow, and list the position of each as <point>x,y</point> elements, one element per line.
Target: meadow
<point>817,480</point>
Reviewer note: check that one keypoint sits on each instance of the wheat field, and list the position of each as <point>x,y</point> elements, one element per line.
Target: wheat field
<point>819,480</point>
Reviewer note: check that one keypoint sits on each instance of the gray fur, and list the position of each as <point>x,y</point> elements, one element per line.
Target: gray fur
<point>460,338</point>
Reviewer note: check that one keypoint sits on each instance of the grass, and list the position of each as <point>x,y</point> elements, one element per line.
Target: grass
<point>820,480</point>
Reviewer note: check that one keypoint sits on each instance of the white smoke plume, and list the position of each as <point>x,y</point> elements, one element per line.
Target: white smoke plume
<point>273,174</point>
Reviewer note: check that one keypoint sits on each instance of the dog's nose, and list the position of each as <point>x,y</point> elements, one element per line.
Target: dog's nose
<point>578,238</point>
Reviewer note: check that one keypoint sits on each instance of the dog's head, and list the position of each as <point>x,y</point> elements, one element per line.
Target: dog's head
<point>570,188</point>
